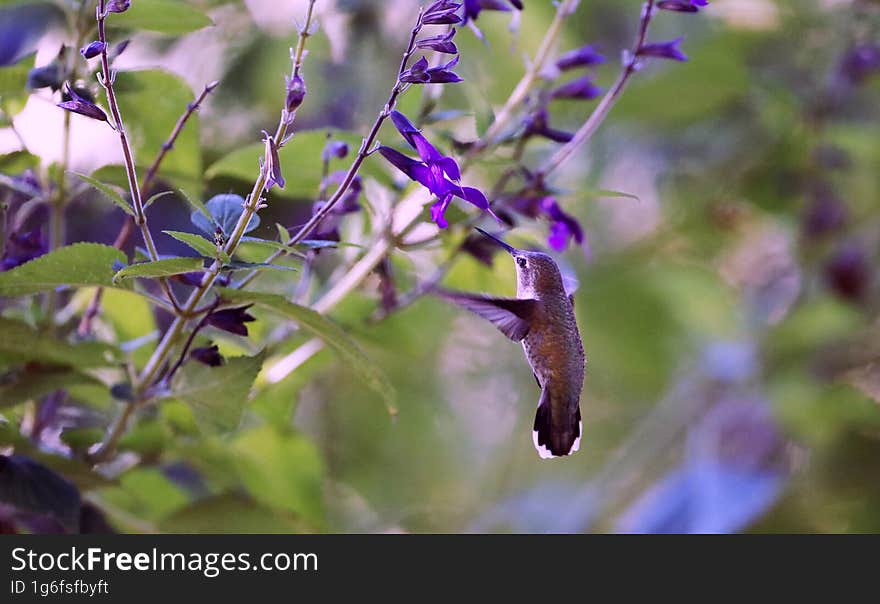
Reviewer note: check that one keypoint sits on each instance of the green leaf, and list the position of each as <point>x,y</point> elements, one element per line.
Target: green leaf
<point>19,341</point>
<point>156,197</point>
<point>170,17</point>
<point>283,233</point>
<point>33,383</point>
<point>332,335</point>
<point>230,513</point>
<point>160,268</point>
<point>108,192</point>
<point>200,244</point>
<point>281,469</point>
<point>218,395</point>
<point>77,265</point>
<point>152,102</point>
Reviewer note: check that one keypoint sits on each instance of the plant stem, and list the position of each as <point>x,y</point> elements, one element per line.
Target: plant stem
<point>586,131</point>
<point>503,117</point>
<point>366,144</point>
<point>252,205</point>
<point>362,154</point>
<point>85,325</point>
<point>140,218</point>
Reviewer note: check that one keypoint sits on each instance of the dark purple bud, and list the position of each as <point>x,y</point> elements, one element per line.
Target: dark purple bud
<point>848,272</point>
<point>443,74</point>
<point>21,248</point>
<point>472,8</point>
<point>580,57</point>
<point>420,73</point>
<point>209,355</point>
<point>442,12</point>
<point>582,88</point>
<point>537,124</point>
<point>84,93</point>
<point>441,43</point>
<point>664,50</point>
<point>682,6</point>
<point>117,6</point>
<point>273,163</point>
<point>82,106</point>
<point>825,214</point>
<point>48,76</point>
<point>296,93</point>
<point>232,320</point>
<point>861,62</point>
<point>338,149</point>
<point>93,49</point>
<point>194,279</point>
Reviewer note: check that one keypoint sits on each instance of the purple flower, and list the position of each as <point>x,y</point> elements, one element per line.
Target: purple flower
<point>848,272</point>
<point>82,106</point>
<point>420,73</point>
<point>338,149</point>
<point>581,88</point>
<point>47,76</point>
<point>117,6</point>
<point>232,320</point>
<point>296,93</point>
<point>209,355</point>
<point>442,43</point>
<point>825,213</point>
<point>442,12</point>
<point>861,62</point>
<point>563,227</point>
<point>682,6</point>
<point>584,56</point>
<point>273,163</point>
<point>537,123</point>
<point>436,172</point>
<point>93,49</point>
<point>21,248</point>
<point>472,8</point>
<point>664,50</point>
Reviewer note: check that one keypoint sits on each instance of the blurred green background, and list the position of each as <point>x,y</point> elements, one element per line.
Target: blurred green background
<point>729,313</point>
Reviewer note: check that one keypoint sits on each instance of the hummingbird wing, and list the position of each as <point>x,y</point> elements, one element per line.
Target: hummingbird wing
<point>512,316</point>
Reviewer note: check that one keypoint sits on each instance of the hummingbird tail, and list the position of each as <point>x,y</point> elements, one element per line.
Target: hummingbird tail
<point>557,433</point>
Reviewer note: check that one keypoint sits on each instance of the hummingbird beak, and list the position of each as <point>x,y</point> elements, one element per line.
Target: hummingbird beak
<point>506,246</point>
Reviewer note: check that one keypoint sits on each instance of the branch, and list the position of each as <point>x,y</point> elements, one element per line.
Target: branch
<point>85,325</point>
<point>564,9</point>
<point>106,79</point>
<point>252,205</point>
<point>586,131</point>
<point>366,144</point>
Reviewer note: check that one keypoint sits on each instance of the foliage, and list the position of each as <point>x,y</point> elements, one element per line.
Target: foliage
<point>262,279</point>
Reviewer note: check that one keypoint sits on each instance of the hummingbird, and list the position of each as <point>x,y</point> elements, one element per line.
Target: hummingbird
<point>542,318</point>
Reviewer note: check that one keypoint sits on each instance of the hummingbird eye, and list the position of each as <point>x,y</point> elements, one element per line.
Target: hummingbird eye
<point>522,262</point>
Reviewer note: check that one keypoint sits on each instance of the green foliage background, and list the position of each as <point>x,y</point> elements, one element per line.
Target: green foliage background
<point>723,151</point>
